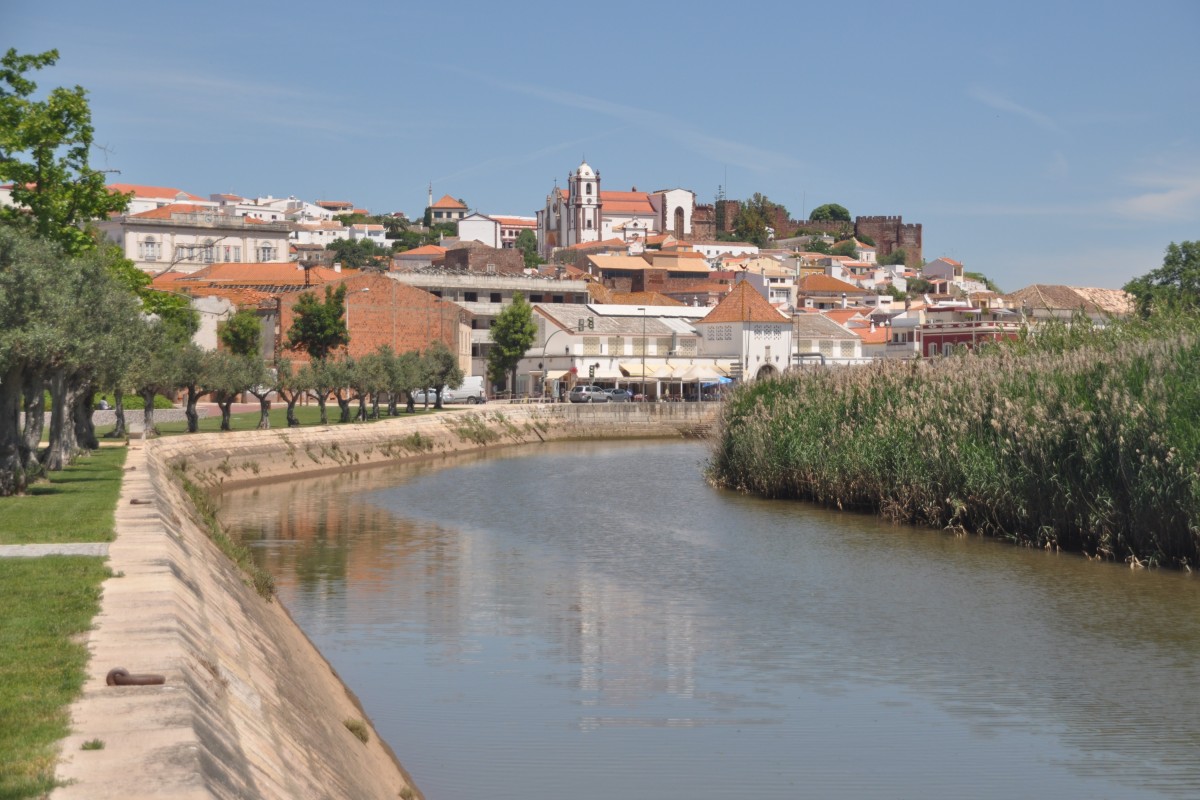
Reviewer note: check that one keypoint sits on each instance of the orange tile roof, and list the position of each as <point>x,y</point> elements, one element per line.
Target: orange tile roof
<point>626,203</point>
<point>606,243</point>
<point>517,222</point>
<point>165,212</point>
<point>744,304</point>
<point>331,204</point>
<point>826,283</point>
<point>448,202</point>
<point>605,262</point>
<point>151,191</point>
<point>425,250</point>
<point>281,273</point>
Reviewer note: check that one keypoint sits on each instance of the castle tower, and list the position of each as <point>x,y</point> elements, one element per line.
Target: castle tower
<point>583,206</point>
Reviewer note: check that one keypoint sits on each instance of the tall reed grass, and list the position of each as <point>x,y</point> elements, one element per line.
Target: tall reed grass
<point>1087,442</point>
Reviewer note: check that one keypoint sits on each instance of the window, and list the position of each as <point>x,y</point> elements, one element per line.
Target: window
<point>932,349</point>
<point>687,347</point>
<point>662,345</point>
<point>589,224</point>
<point>148,250</point>
<point>470,297</point>
<point>587,189</point>
<point>804,346</point>
<point>237,252</point>
<point>591,345</point>
<point>616,346</point>
<point>827,348</point>
<point>266,252</point>
<point>847,349</point>
<point>639,346</point>
<point>947,349</point>
<point>495,297</point>
<point>207,251</point>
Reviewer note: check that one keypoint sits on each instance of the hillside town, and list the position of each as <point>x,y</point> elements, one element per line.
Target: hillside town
<point>645,291</point>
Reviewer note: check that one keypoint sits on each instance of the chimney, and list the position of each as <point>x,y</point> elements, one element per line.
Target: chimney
<point>843,299</point>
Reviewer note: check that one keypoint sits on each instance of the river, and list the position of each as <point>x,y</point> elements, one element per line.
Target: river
<point>591,620</point>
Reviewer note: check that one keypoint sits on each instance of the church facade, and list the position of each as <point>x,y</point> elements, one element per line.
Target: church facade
<point>583,213</point>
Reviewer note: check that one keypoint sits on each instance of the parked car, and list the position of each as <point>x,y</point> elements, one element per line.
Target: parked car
<point>587,394</point>
<point>619,395</point>
<point>471,392</point>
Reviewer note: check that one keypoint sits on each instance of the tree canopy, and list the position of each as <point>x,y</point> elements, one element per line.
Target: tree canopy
<point>527,244</point>
<point>513,333</point>
<point>45,147</point>
<point>1173,286</point>
<point>242,333</point>
<point>756,217</point>
<point>320,326</point>
<point>830,212</point>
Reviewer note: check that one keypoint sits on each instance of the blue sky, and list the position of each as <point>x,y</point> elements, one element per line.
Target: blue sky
<point>1041,142</point>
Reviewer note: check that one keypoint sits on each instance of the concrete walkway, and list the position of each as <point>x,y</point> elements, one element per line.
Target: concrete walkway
<point>36,550</point>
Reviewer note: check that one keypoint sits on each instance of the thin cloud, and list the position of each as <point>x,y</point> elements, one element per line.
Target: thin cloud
<point>1174,197</point>
<point>716,148</point>
<point>534,155</point>
<point>1002,103</point>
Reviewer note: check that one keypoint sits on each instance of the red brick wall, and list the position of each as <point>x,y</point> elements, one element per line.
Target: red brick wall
<point>389,312</point>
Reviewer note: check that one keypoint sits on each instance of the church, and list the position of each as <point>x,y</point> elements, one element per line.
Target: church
<point>584,213</point>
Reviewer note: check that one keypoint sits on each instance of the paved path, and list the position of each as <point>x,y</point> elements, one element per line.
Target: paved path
<point>35,550</point>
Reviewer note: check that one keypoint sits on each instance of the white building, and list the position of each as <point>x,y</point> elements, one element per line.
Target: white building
<point>187,237</point>
<point>747,329</point>
<point>372,233</point>
<point>148,198</point>
<point>479,228</point>
<point>584,213</point>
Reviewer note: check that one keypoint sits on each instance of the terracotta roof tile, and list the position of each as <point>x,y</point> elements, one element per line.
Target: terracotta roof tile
<point>448,202</point>
<point>152,192</point>
<point>166,212</point>
<point>744,304</point>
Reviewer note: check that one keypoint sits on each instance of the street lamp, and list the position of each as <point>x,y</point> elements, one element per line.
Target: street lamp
<point>545,368</point>
<point>643,310</point>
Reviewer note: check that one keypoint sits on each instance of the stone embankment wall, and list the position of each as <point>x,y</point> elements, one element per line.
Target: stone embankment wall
<point>250,708</point>
<point>225,461</point>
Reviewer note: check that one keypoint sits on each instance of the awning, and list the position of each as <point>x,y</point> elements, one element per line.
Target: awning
<point>635,370</point>
<point>723,368</point>
<point>557,375</point>
<point>698,372</point>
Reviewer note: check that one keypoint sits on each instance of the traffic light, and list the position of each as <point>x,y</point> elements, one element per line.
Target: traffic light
<point>591,370</point>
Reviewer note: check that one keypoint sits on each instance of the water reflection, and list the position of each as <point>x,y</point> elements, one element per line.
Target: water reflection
<point>519,624</point>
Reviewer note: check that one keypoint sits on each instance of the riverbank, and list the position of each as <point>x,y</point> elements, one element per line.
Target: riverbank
<point>249,707</point>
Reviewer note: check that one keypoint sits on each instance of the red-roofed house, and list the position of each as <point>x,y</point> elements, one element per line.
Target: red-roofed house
<point>447,209</point>
<point>747,328</point>
<point>189,236</point>
<point>147,198</point>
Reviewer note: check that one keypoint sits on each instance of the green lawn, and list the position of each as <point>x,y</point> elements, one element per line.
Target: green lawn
<point>47,602</point>
<point>248,421</point>
<point>75,505</point>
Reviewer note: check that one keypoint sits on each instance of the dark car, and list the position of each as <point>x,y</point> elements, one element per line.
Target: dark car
<point>619,395</point>
<point>587,394</point>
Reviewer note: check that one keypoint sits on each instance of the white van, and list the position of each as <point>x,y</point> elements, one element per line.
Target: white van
<point>470,392</point>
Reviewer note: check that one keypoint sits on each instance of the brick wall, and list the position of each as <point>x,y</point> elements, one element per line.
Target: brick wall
<point>382,311</point>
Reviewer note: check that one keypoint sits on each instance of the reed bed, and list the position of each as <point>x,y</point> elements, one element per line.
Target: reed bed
<point>1090,445</point>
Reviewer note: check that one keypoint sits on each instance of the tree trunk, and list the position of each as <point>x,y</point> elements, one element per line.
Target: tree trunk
<point>343,406</point>
<point>392,410</point>
<point>189,410</point>
<point>361,416</point>
<point>264,412</point>
<point>12,471</point>
<point>34,386</point>
<point>410,406</point>
<point>119,430</point>
<point>225,403</point>
<point>81,412</point>
<point>321,400</point>
<point>63,444</point>
<point>149,429</point>
<point>291,409</point>
<point>374,406</point>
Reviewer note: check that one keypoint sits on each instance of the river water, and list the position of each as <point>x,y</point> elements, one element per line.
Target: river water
<point>591,620</point>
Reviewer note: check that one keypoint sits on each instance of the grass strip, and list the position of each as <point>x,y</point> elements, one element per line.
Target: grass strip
<point>74,505</point>
<point>47,603</point>
<point>307,416</point>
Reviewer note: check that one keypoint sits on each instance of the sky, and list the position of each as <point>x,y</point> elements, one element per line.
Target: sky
<point>1036,142</point>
